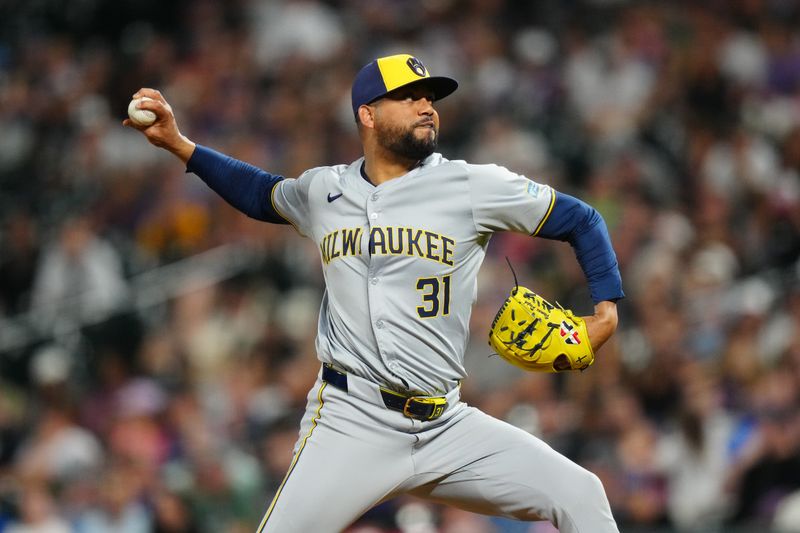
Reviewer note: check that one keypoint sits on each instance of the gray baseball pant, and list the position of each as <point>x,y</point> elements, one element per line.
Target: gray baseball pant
<point>353,453</point>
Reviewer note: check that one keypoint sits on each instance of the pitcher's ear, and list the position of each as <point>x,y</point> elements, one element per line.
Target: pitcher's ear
<point>366,116</point>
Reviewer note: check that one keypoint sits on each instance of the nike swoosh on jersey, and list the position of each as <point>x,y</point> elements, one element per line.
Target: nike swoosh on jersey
<point>332,197</point>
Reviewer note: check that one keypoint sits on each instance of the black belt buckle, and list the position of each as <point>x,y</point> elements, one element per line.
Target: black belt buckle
<point>334,377</point>
<point>416,407</point>
<point>425,408</point>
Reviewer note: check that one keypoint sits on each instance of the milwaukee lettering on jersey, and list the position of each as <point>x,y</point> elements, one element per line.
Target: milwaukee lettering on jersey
<point>389,240</point>
<point>340,243</point>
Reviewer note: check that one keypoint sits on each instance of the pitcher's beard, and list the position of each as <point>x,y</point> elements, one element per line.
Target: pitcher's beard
<point>406,145</point>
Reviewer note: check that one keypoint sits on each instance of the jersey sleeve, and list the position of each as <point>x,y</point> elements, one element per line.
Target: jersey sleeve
<point>505,201</point>
<point>290,201</point>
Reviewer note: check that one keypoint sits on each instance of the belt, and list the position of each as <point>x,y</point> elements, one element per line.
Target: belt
<point>416,407</point>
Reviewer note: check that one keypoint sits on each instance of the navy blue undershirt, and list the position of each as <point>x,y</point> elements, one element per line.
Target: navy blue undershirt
<point>244,186</point>
<point>579,224</point>
<point>249,189</point>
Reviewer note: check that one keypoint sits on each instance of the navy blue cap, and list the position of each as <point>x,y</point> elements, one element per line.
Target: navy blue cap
<point>385,74</point>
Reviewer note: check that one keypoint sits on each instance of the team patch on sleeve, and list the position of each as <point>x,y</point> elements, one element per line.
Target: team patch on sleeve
<point>534,189</point>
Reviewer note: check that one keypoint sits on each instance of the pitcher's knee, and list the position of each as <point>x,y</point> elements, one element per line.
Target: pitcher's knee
<point>590,485</point>
<point>584,490</point>
<point>587,487</point>
<point>583,506</point>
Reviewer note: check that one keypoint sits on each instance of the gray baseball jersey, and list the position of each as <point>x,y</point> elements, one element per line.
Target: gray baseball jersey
<point>401,261</point>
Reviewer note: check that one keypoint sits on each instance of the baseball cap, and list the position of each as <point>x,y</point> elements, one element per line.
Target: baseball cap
<point>385,74</point>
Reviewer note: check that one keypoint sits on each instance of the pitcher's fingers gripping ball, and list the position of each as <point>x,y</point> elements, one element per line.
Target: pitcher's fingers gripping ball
<point>533,334</point>
<point>140,117</point>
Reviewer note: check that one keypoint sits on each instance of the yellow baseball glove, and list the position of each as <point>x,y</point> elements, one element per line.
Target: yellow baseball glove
<point>535,335</point>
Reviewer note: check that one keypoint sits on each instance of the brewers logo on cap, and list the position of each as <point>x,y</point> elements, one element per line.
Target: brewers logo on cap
<point>417,66</point>
<point>386,74</point>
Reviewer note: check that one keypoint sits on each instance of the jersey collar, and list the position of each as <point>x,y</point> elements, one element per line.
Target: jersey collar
<point>433,159</point>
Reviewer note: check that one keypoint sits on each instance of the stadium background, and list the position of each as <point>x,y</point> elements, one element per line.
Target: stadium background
<point>156,346</point>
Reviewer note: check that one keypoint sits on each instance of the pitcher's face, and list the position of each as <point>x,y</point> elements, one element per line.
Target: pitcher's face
<point>406,122</point>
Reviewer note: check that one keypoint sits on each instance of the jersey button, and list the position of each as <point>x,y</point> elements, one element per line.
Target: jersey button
<point>375,197</point>
<point>379,324</point>
<point>374,281</point>
<point>373,216</point>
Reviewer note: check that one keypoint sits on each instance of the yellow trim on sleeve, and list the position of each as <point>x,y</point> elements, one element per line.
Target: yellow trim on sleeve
<point>275,207</point>
<point>547,214</point>
<point>294,460</point>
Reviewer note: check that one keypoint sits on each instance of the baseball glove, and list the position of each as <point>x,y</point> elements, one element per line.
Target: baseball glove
<point>535,335</point>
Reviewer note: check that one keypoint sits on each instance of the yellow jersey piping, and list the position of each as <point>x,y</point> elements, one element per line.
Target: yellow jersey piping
<point>294,460</point>
<point>547,214</point>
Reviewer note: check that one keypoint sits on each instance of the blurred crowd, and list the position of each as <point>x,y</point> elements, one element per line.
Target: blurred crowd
<point>177,411</point>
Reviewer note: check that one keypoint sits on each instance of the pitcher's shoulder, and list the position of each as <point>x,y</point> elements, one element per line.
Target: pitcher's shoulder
<point>473,170</point>
<point>323,174</point>
<point>437,159</point>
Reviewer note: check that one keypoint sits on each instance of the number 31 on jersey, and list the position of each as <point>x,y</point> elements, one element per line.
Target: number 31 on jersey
<point>435,296</point>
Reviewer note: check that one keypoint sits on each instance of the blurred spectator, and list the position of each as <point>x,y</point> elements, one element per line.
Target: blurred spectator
<point>175,223</point>
<point>787,515</point>
<point>678,120</point>
<point>740,164</point>
<point>220,483</point>
<point>135,433</point>
<point>503,143</point>
<point>772,469</point>
<point>609,84</point>
<point>295,29</point>
<point>172,514</point>
<point>637,489</point>
<point>12,419</point>
<point>18,262</point>
<point>38,512</point>
<point>695,455</point>
<point>79,272</point>
<point>119,508</point>
<point>57,448</point>
<point>783,71</point>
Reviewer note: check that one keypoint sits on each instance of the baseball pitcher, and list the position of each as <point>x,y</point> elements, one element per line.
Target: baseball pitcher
<point>402,232</point>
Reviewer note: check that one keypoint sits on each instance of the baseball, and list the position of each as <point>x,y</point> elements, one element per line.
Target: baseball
<point>140,117</point>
